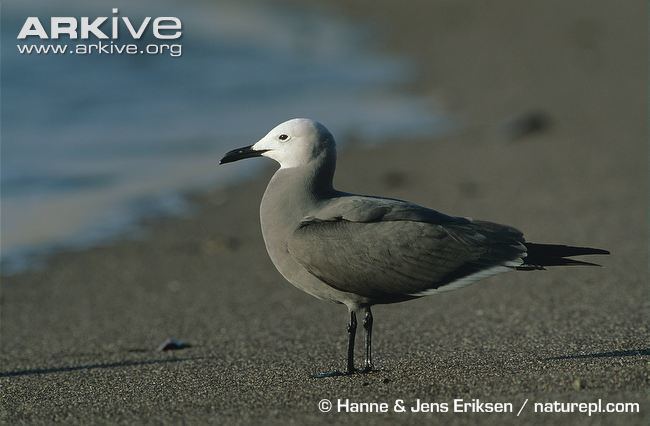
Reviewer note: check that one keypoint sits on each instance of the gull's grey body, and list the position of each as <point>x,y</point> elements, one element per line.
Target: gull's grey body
<point>361,250</point>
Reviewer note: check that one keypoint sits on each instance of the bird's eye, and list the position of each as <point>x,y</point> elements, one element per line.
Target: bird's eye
<point>283,137</point>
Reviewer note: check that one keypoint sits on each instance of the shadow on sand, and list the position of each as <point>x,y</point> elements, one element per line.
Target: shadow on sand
<point>38,371</point>
<point>612,354</point>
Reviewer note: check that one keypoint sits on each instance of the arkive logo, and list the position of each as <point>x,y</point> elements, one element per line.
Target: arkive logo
<point>113,28</point>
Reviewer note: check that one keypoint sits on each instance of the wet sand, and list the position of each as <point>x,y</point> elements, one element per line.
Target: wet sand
<point>79,336</point>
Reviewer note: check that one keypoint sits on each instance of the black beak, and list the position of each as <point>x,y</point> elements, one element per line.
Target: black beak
<point>241,153</point>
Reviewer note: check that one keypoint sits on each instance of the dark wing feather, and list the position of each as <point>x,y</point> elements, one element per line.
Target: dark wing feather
<point>389,259</point>
<point>541,255</point>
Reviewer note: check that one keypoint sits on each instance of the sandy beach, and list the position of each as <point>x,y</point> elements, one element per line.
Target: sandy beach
<point>79,335</point>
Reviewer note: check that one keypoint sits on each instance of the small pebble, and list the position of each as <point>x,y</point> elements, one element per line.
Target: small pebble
<point>578,384</point>
<point>526,124</point>
<point>172,344</point>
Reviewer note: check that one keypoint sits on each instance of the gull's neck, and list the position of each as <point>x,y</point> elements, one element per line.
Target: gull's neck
<point>294,191</point>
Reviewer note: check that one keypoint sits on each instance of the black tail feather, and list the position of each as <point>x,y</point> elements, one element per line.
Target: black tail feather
<point>541,255</point>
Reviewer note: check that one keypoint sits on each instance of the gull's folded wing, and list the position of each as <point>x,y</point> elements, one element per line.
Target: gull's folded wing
<point>388,249</point>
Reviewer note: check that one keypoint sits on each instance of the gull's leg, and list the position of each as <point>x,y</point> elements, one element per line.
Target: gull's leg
<point>352,331</point>
<point>367,325</point>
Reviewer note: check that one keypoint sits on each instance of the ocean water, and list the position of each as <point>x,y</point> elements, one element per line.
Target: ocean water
<point>90,144</point>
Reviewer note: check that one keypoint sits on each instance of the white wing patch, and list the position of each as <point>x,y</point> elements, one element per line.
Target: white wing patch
<point>472,278</point>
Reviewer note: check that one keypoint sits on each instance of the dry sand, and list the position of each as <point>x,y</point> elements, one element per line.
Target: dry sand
<point>79,336</point>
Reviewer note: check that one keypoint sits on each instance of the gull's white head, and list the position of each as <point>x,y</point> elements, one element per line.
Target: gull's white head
<point>293,143</point>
